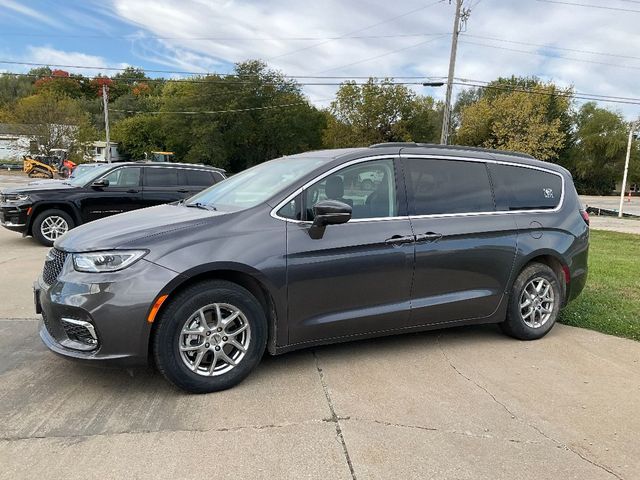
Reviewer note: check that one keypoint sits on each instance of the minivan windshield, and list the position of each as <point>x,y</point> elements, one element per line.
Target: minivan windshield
<point>87,175</point>
<point>255,185</point>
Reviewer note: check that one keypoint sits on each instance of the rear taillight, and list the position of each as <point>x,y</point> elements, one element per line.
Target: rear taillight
<point>585,216</point>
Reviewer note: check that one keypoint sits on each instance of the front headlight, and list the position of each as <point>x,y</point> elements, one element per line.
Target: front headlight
<point>15,197</point>
<point>95,262</point>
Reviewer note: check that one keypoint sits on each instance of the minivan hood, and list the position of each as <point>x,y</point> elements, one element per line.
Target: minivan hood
<point>119,230</point>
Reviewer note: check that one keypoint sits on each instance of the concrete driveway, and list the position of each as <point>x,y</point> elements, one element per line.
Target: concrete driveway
<point>457,404</point>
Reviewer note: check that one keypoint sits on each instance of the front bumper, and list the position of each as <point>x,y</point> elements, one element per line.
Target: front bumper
<point>100,317</point>
<point>14,217</point>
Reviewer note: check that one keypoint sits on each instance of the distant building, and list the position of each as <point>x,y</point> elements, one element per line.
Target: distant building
<point>634,188</point>
<point>97,152</point>
<point>16,141</point>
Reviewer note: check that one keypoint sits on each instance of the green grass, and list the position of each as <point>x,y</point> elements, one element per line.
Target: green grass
<point>610,302</point>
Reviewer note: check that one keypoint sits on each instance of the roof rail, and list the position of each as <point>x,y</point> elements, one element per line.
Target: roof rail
<point>394,144</point>
<point>452,147</point>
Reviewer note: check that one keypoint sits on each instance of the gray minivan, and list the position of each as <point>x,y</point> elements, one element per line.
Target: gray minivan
<point>321,247</point>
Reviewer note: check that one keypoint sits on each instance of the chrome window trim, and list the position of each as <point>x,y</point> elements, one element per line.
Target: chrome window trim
<point>433,215</point>
<point>298,191</point>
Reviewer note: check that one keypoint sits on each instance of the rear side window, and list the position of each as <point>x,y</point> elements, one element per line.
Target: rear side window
<point>161,177</point>
<point>521,188</point>
<point>447,186</point>
<point>198,178</point>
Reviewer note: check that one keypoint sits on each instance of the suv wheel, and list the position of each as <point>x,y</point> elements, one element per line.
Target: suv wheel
<point>210,337</point>
<point>534,303</point>
<point>51,225</point>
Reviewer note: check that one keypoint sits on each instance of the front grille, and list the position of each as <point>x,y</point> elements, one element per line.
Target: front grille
<point>53,265</point>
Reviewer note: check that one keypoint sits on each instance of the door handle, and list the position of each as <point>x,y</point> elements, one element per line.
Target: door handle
<point>399,240</point>
<point>428,237</point>
<point>183,191</point>
<point>133,191</point>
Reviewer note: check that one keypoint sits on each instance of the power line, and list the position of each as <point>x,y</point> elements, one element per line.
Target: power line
<point>589,6</point>
<point>553,47</point>
<point>383,55</point>
<point>542,54</point>
<point>236,110</point>
<point>356,31</point>
<point>262,39</point>
<point>382,80</point>
<point>578,95</point>
<point>181,72</point>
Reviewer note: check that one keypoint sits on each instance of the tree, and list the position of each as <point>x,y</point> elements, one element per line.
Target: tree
<point>520,114</point>
<point>597,159</point>
<point>379,111</point>
<point>138,135</point>
<point>258,114</point>
<point>54,121</point>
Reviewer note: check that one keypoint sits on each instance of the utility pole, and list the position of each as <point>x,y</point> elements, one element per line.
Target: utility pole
<point>105,102</point>
<point>626,167</point>
<point>462,14</point>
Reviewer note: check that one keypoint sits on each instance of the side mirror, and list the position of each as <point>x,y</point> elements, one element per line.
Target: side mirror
<point>331,212</point>
<point>100,183</point>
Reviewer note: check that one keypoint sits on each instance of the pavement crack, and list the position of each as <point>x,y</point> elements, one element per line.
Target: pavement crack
<point>143,431</point>
<point>469,379</point>
<point>334,417</point>
<point>530,425</point>
<point>444,431</point>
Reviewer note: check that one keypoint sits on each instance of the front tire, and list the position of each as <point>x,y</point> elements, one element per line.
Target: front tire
<point>51,225</point>
<point>534,303</point>
<point>210,337</point>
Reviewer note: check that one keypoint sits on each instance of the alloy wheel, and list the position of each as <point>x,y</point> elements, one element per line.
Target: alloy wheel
<point>214,339</point>
<point>53,227</point>
<point>536,302</point>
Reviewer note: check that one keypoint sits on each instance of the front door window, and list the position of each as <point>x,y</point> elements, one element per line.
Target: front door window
<point>368,187</point>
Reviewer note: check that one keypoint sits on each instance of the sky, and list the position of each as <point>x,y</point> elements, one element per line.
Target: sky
<point>595,50</point>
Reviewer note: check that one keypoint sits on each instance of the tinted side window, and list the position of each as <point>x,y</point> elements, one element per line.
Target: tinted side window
<point>447,186</point>
<point>369,187</point>
<point>198,178</point>
<point>161,177</point>
<point>124,177</point>
<point>217,177</point>
<point>520,188</point>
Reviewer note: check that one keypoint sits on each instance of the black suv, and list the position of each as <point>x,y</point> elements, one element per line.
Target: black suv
<point>48,210</point>
<point>322,247</point>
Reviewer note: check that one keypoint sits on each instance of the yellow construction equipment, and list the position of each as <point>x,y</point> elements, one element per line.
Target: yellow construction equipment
<point>38,167</point>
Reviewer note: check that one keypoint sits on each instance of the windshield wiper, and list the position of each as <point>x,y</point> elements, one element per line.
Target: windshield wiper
<point>202,206</point>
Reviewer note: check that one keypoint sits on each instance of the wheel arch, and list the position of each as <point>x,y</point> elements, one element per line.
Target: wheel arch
<point>553,260</point>
<point>239,274</point>
<point>66,207</point>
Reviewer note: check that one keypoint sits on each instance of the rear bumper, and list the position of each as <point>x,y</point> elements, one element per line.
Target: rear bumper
<point>578,281</point>
<point>109,311</point>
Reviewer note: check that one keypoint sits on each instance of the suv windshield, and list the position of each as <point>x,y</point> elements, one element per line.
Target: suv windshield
<point>89,174</point>
<point>255,185</point>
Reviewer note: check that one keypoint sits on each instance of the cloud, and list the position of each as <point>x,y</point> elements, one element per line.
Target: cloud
<point>27,11</point>
<point>51,56</point>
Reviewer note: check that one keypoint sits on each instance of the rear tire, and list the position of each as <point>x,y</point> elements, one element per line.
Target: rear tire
<point>534,303</point>
<point>216,353</point>
<point>51,225</point>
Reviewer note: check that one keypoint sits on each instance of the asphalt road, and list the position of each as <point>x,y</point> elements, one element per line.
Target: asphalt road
<point>465,403</point>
